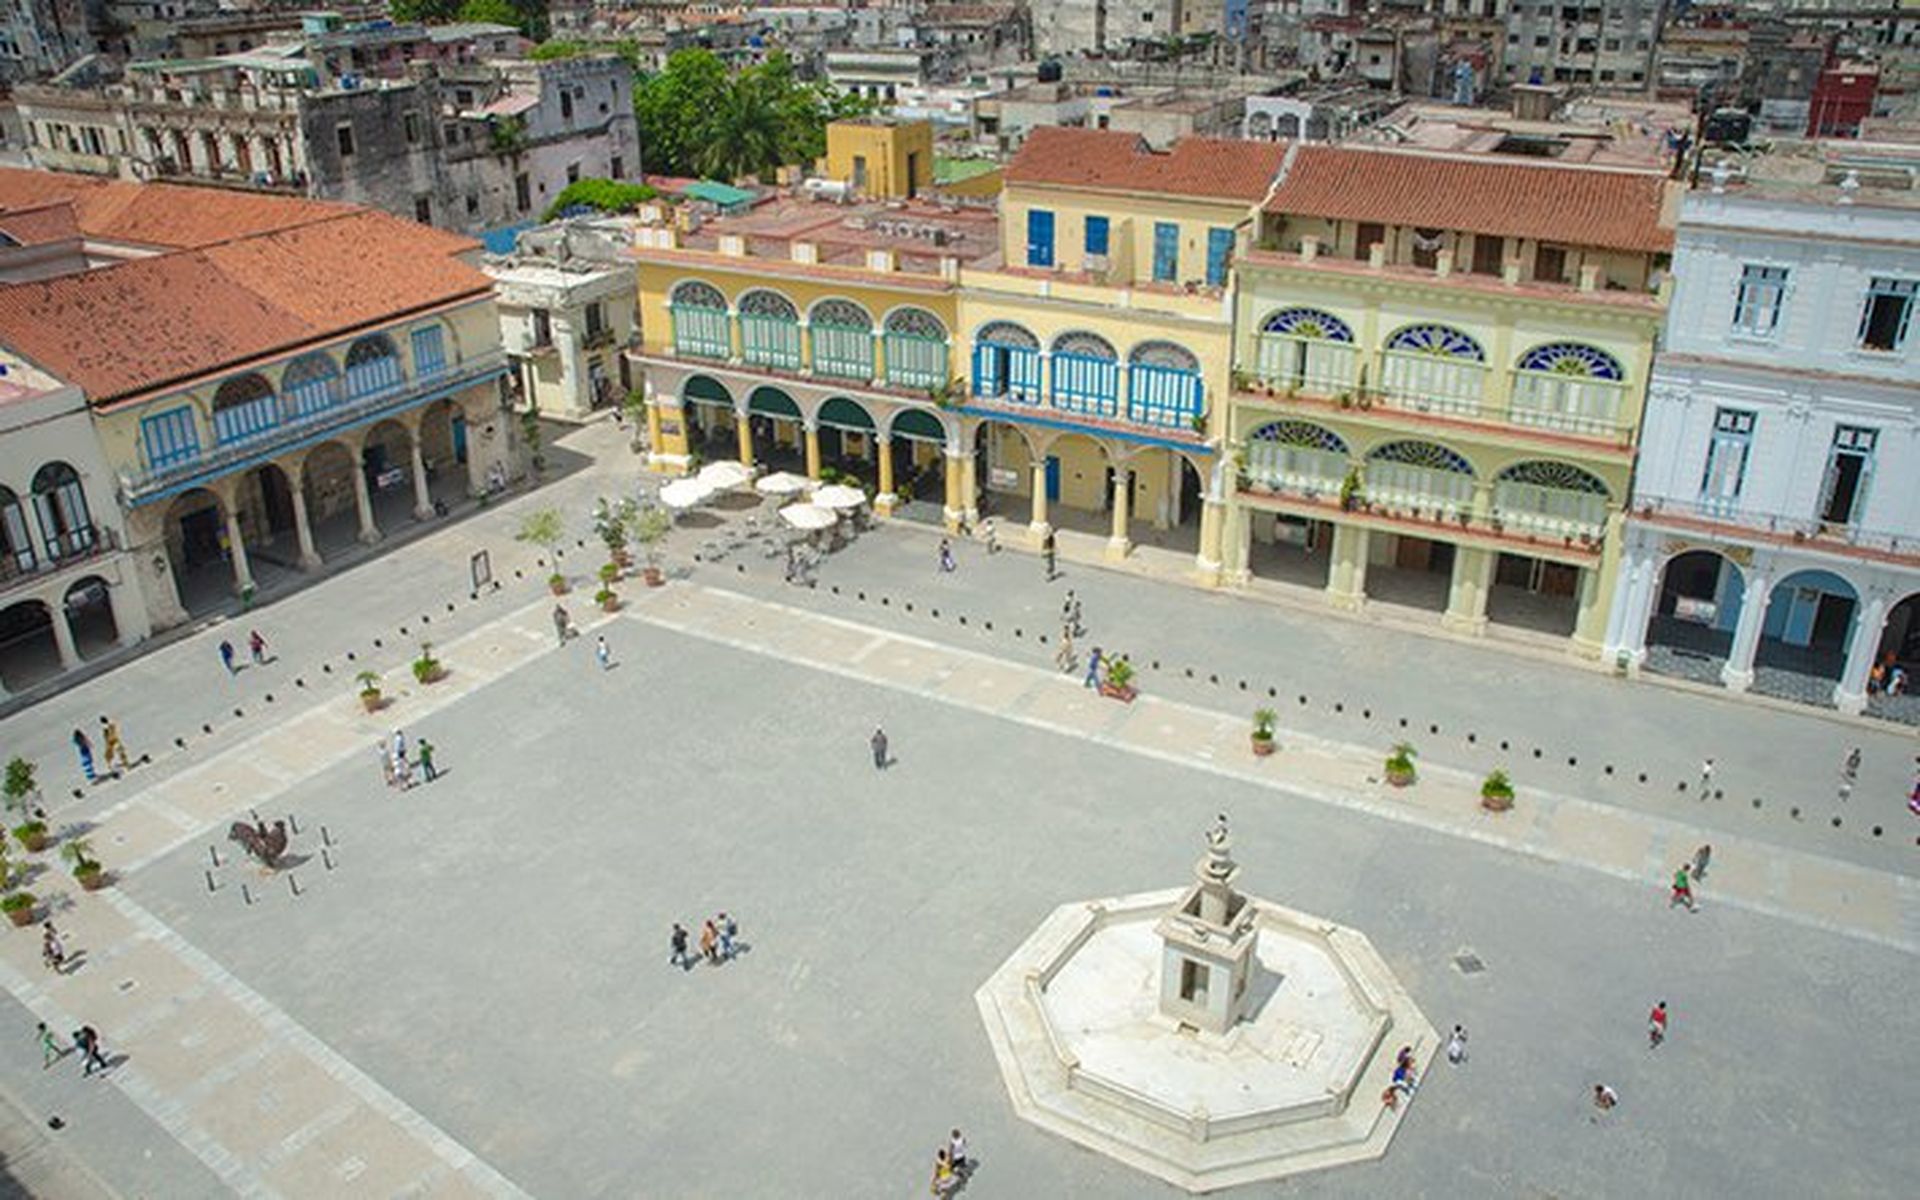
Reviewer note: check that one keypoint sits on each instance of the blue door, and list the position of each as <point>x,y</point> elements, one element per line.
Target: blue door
<point>459,438</point>
<point>1053,479</point>
<point>1099,235</point>
<point>1219,251</point>
<point>1039,237</point>
<point>1166,252</point>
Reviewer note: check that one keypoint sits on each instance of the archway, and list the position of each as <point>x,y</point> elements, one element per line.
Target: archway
<point>848,439</point>
<point>1804,636</point>
<point>1003,465</point>
<point>244,407</point>
<point>1079,480</point>
<point>373,366</point>
<point>1698,607</point>
<point>1893,688</point>
<point>707,408</point>
<point>265,494</point>
<point>28,651</point>
<point>917,441</point>
<point>1429,482</point>
<point>1006,363</point>
<point>327,481</point>
<point>779,436</point>
<point>387,458</point>
<point>195,527</point>
<point>443,446</point>
<point>89,608</point>
<point>311,384</point>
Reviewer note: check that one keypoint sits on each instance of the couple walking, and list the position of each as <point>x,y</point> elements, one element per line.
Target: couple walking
<point>718,942</point>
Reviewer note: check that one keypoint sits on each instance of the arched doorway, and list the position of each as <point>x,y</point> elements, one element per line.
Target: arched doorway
<point>1428,481</point>
<point>266,496</point>
<point>847,439</point>
<point>443,447</point>
<point>387,458</point>
<point>917,441</point>
<point>1804,635</point>
<point>706,406</point>
<point>196,535</point>
<point>1079,479</point>
<point>89,608</point>
<point>59,501</point>
<point>1698,607</point>
<point>327,481</point>
<point>778,439</point>
<point>28,651</point>
<point>1893,687</point>
<point>1003,464</point>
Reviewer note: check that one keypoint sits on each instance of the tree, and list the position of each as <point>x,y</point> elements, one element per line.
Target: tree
<point>606,195</point>
<point>697,118</point>
<point>743,136</point>
<point>490,12</point>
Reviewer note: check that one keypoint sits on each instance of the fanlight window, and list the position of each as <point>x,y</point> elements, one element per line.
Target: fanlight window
<point>1308,323</point>
<point>1441,341</point>
<point>1572,358</point>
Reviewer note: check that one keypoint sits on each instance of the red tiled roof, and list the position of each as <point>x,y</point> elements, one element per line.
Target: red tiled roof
<point>39,226</point>
<point>168,216</point>
<point>1115,161</point>
<point>1619,210</point>
<point>152,322</point>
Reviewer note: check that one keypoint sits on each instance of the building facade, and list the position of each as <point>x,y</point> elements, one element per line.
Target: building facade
<point>567,317</point>
<point>1610,43</point>
<point>1440,369</point>
<point>1775,537</point>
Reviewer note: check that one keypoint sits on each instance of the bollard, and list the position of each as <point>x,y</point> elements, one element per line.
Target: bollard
<point>210,888</point>
<point>1243,685</point>
<point>205,728</point>
<point>1572,761</point>
<point>861,596</point>
<point>1403,725</point>
<point>269,697</point>
<point>255,814</point>
<point>1214,680</point>
<point>934,612</point>
<point>299,682</point>
<point>403,631</point>
<point>246,895</point>
<point>1434,729</point>
<point>326,839</point>
<point>1339,707</point>
<point>326,668</point>
<point>1794,813</point>
<point>1272,694</point>
<point>213,853</point>
<point>740,568</point>
<point>884,602</point>
<point>238,713</point>
<point>909,606</point>
<point>1473,739</point>
<point>180,742</point>
<point>350,656</point>
<point>1836,822</point>
<point>1876,831</point>
<point>293,826</point>
<point>1756,803</point>
<point>988,625</point>
<point>378,644</point>
<point>963,620</point>
<point>1366,714</point>
<point>326,858</point>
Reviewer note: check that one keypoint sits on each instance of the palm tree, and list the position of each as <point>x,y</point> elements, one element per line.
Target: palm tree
<point>742,133</point>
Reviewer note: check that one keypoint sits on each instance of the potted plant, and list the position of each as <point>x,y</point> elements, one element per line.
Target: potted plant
<point>1119,681</point>
<point>606,598</point>
<point>1496,792</point>
<point>1240,380</point>
<point>650,527</point>
<point>1350,490</point>
<point>19,908</point>
<point>610,526</point>
<point>1263,719</point>
<point>370,698</point>
<point>1400,770</point>
<point>951,394</point>
<point>20,786</point>
<point>32,834</point>
<point>545,529</point>
<point>86,869</point>
<point>427,668</point>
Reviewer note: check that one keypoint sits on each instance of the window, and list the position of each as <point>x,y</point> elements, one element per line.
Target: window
<point>573,172</point>
<point>1489,254</point>
<point>1039,237</point>
<point>473,204</point>
<point>617,168</point>
<point>1193,982</point>
<point>1849,465</point>
<point>1550,264</point>
<point>522,197</point>
<point>423,209</point>
<point>343,137</point>
<point>463,97</point>
<point>596,319</point>
<point>1726,469</point>
<point>1366,238</point>
<point>411,122</point>
<point>566,106</point>
<point>1889,309</point>
<point>170,437</point>
<point>429,355</point>
<point>1219,254</point>
<point>1166,251</point>
<point>542,328</point>
<point>1756,309</point>
<point>1097,238</point>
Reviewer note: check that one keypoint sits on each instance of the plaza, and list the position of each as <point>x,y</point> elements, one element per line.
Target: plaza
<point>470,992</point>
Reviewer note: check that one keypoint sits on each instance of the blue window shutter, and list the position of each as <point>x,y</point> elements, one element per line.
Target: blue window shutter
<point>1166,252</point>
<point>1219,250</point>
<point>1097,231</point>
<point>1039,237</point>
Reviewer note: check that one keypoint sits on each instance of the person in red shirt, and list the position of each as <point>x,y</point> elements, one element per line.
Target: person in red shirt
<point>1657,1025</point>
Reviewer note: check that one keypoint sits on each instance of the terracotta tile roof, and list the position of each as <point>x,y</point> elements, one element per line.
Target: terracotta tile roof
<point>1579,206</point>
<point>159,321</point>
<point>168,216</point>
<point>40,226</point>
<point>1115,161</point>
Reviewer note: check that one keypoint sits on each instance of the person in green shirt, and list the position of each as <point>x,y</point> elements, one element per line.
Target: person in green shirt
<point>425,752</point>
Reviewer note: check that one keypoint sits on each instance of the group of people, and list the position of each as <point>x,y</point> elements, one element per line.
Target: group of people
<point>719,942</point>
<point>951,1165</point>
<point>398,766</point>
<point>256,648</point>
<point>113,752</point>
<point>1686,875</point>
<point>85,1039</point>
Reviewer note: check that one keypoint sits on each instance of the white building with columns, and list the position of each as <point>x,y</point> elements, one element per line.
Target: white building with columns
<point>1774,537</point>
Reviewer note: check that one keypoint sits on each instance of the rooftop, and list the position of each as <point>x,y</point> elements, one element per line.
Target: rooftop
<point>1113,161</point>
<point>1628,136</point>
<point>159,215</point>
<point>918,233</point>
<point>1863,174</point>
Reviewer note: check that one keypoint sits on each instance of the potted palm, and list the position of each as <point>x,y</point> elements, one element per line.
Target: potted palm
<point>1400,770</point>
<point>545,529</point>
<point>20,786</point>
<point>427,668</point>
<point>32,834</point>
<point>1263,720</point>
<point>370,698</point>
<point>610,521</point>
<point>86,869</point>
<point>606,597</point>
<point>1496,792</point>
<point>19,908</point>
<point>649,527</point>
<point>1119,681</point>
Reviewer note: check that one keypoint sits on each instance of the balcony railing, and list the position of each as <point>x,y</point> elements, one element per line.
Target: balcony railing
<point>305,424</point>
<point>1545,406</point>
<point>1781,526</point>
<point>66,550</point>
<point>1446,515</point>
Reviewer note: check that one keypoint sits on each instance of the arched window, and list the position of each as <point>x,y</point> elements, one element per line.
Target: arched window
<point>842,340</point>
<point>1421,475</point>
<point>1441,341</point>
<point>1006,363</point>
<point>1006,333</point>
<point>699,315</point>
<point>1164,386</point>
<point>1572,358</point>
<point>16,540</point>
<point>373,366</point>
<point>1552,497</point>
<point>769,330</point>
<point>311,384</point>
<point>61,504</point>
<point>1306,348</point>
<point>1434,368</point>
<point>1164,354</point>
<point>1296,456</point>
<point>916,343</point>
<point>243,407</point>
<point>1086,374</point>
<point>1569,386</point>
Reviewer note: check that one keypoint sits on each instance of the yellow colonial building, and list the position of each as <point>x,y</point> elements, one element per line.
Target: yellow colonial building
<point>1440,366</point>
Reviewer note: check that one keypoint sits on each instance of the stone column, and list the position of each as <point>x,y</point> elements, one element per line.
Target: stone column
<point>1207,560</point>
<point>422,495</point>
<point>1038,525</point>
<point>363,501</point>
<point>1590,623</point>
<point>237,548</point>
<point>1347,574</point>
<point>1850,694</point>
<point>1627,623</point>
<point>63,636</point>
<point>885,447</point>
<point>743,435</point>
<point>813,450</point>
<point>302,527</point>
<point>1738,673</point>
<point>952,510</point>
<point>1467,594</point>
<point>970,488</point>
<point>1117,542</point>
<point>130,618</point>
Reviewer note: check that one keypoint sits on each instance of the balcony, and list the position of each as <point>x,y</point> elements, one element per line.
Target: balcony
<point>1728,519</point>
<point>69,549</point>
<point>304,416</point>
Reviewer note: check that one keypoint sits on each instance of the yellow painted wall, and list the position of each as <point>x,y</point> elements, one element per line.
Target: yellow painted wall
<point>888,148</point>
<point>658,279</point>
<point>1131,221</point>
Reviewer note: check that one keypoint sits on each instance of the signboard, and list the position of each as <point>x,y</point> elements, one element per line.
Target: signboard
<point>1700,612</point>
<point>1003,479</point>
<point>481,567</point>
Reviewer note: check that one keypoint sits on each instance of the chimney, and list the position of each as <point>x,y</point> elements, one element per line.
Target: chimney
<point>880,261</point>
<point>1510,272</point>
<point>1377,256</point>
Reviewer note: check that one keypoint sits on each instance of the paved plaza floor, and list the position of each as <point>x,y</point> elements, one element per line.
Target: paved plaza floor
<point>470,994</point>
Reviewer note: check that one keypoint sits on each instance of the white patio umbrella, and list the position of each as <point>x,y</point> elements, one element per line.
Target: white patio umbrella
<point>838,495</point>
<point>724,474</point>
<point>684,493</point>
<point>807,516</point>
<point>781,483</point>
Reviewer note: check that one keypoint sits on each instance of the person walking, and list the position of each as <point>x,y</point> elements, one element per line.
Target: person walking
<point>257,647</point>
<point>879,744</point>
<point>560,623</point>
<point>51,1051</point>
<point>728,931</point>
<point>53,952</point>
<point>87,1041</point>
<point>1701,858</point>
<point>1706,780</point>
<point>1047,555</point>
<point>992,535</point>
<point>1682,890</point>
<point>1403,1077</point>
<point>112,749</point>
<point>957,1153</point>
<point>1657,1026</point>
<point>678,941</point>
<point>944,1180</point>
<point>226,658</point>
<point>402,766</point>
<point>84,749</point>
<point>385,750</point>
<point>1073,613</point>
<point>1850,767</point>
<point>1604,1100</point>
<point>1094,661</point>
<point>1066,610</point>
<point>946,556</point>
<point>601,654</point>
<point>1457,1046</point>
<point>710,943</point>
<point>1063,657</point>
<point>425,754</point>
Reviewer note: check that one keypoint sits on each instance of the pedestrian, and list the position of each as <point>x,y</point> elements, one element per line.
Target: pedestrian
<point>1682,890</point>
<point>1063,657</point>
<point>560,623</point>
<point>729,929</point>
<point>84,749</point>
<point>601,654</point>
<point>946,556</point>
<point>710,943</point>
<point>87,1042</point>
<point>385,751</point>
<point>957,1153</point>
<point>112,749</point>
<point>1657,1025</point>
<point>1457,1046</point>
<point>257,647</point>
<point>879,743</point>
<point>678,940</point>
<point>1701,858</point>
<point>1093,669</point>
<point>1073,613</point>
<point>51,1051</point>
<point>1850,769</point>
<point>402,767</point>
<point>53,952</point>
<point>1706,780</point>
<point>944,1180</point>
<point>425,753</point>
<point>1403,1077</point>
<point>992,536</point>
<point>226,658</point>
<point>1066,609</point>
<point>1047,555</point>
<point>1604,1099</point>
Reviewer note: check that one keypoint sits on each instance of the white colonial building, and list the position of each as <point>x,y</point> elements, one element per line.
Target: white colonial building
<point>1774,537</point>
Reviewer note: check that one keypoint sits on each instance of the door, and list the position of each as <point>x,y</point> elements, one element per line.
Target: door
<point>459,439</point>
<point>913,173</point>
<point>277,498</point>
<point>200,536</point>
<point>1039,238</point>
<point>1053,479</point>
